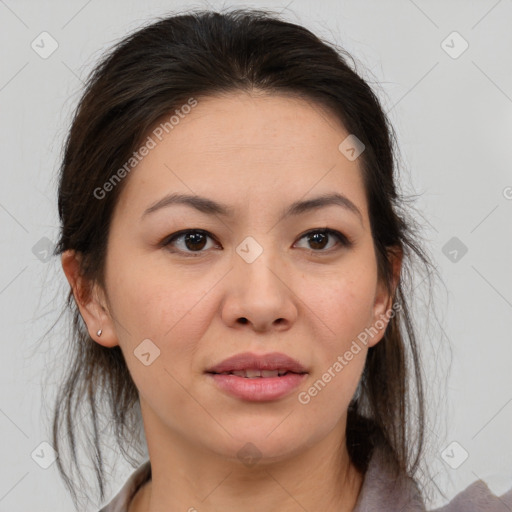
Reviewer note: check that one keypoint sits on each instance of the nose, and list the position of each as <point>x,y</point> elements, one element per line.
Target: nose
<point>260,295</point>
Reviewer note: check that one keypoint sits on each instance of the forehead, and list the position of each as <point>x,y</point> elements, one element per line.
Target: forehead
<point>241,148</point>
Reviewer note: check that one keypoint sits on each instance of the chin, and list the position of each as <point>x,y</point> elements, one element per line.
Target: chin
<point>268,441</point>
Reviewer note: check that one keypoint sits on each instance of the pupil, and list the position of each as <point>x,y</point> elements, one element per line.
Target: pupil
<point>194,238</point>
<point>315,236</point>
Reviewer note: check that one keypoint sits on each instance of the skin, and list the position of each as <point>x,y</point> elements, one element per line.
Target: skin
<point>257,153</point>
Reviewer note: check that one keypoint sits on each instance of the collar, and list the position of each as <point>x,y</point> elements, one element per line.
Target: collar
<point>381,490</point>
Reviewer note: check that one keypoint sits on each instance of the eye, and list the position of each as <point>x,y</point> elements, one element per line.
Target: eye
<point>193,241</point>
<point>317,238</point>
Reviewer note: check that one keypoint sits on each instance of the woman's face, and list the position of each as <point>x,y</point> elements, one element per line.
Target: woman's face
<point>250,281</point>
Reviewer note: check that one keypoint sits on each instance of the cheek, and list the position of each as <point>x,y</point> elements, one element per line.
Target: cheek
<point>152,302</point>
<point>172,314</point>
<point>170,310</point>
<point>344,304</point>
<point>345,311</point>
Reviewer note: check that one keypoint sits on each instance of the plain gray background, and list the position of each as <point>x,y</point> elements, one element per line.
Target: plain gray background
<point>452,110</point>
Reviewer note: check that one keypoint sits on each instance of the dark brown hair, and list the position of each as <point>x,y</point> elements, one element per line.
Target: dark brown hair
<point>151,73</point>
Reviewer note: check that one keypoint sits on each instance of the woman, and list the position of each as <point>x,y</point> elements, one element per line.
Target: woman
<point>238,260</point>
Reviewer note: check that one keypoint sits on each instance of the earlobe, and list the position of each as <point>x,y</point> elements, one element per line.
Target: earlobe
<point>89,300</point>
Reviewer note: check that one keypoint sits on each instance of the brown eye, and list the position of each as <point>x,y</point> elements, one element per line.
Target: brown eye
<point>194,241</point>
<point>189,241</point>
<point>318,239</point>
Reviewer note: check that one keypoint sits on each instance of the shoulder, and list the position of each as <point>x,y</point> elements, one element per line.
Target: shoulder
<point>478,498</point>
<point>122,499</point>
<point>383,491</point>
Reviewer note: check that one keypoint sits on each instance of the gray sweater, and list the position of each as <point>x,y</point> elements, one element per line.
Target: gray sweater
<point>380,492</point>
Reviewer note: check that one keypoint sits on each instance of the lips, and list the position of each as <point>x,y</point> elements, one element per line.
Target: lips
<point>258,378</point>
<point>254,366</point>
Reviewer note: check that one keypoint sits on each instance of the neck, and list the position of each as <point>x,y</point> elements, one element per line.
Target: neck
<point>188,478</point>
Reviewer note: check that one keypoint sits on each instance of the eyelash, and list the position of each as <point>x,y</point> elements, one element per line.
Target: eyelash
<point>343,240</point>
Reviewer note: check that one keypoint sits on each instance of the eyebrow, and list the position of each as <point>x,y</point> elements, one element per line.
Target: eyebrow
<point>210,207</point>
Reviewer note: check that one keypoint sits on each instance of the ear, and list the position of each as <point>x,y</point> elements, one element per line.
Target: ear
<point>383,309</point>
<point>90,299</point>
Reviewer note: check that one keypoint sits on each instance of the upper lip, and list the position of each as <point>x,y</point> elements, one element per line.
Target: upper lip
<point>250,361</point>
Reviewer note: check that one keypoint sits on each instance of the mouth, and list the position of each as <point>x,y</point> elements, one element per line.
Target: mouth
<point>257,374</point>
<point>258,378</point>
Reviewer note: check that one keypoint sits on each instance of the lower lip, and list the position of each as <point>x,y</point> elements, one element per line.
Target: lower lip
<point>259,389</point>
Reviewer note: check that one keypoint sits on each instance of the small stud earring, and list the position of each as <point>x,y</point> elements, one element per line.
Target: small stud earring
<point>99,332</point>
